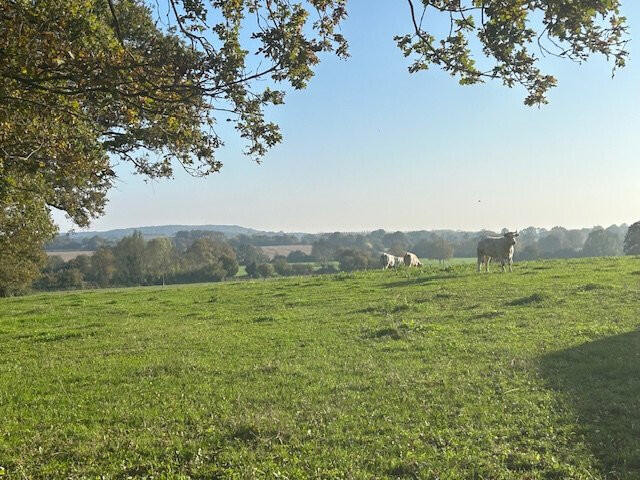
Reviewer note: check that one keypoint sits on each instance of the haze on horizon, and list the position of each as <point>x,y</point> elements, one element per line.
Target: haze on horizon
<point>369,146</point>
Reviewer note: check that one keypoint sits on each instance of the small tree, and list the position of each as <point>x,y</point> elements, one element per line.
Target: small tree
<point>159,259</point>
<point>230,266</point>
<point>252,270</point>
<point>298,256</point>
<point>24,229</point>
<point>281,266</point>
<point>129,254</point>
<point>266,270</point>
<point>632,240</point>
<point>103,266</point>
<point>246,254</point>
<point>351,259</point>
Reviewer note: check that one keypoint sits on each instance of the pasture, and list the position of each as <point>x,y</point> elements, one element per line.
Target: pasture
<point>437,373</point>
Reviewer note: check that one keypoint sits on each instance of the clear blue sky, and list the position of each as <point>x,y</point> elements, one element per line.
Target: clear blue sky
<point>369,146</point>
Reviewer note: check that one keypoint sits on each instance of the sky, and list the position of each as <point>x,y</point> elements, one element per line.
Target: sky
<point>368,145</point>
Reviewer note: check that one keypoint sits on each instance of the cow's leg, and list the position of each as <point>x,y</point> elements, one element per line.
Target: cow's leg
<point>480,262</point>
<point>510,264</point>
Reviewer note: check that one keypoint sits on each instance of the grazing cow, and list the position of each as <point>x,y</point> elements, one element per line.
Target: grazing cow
<point>412,260</point>
<point>387,261</point>
<point>497,248</point>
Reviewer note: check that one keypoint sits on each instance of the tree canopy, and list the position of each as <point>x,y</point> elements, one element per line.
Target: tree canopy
<point>88,84</point>
<point>632,240</point>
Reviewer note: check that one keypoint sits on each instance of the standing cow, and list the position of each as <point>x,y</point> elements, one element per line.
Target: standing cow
<point>387,261</point>
<point>497,248</point>
<point>412,260</point>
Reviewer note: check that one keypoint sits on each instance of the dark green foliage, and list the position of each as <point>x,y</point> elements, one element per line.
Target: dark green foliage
<point>352,259</point>
<point>301,269</point>
<point>281,266</point>
<point>327,268</point>
<point>252,270</point>
<point>266,270</point>
<point>298,256</point>
<point>632,240</point>
<point>230,266</point>
<point>247,253</point>
<point>134,261</point>
<point>24,229</point>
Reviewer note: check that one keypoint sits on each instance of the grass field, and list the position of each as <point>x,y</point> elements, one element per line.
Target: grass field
<point>432,373</point>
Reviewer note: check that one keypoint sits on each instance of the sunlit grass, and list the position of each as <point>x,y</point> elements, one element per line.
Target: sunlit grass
<point>432,373</point>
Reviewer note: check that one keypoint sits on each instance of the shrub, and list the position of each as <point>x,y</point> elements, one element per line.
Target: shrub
<point>301,269</point>
<point>281,266</point>
<point>230,265</point>
<point>266,270</point>
<point>327,268</point>
<point>351,259</point>
<point>252,270</point>
<point>298,256</point>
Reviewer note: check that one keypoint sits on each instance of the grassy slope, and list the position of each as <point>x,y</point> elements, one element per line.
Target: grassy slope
<point>431,374</point>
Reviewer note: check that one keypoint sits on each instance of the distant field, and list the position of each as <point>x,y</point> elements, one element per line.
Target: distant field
<point>285,250</point>
<point>69,254</point>
<point>432,373</point>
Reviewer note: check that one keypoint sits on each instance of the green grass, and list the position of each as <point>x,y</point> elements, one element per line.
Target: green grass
<point>242,270</point>
<point>431,373</point>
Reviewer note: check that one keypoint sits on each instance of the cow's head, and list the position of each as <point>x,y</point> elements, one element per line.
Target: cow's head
<point>511,237</point>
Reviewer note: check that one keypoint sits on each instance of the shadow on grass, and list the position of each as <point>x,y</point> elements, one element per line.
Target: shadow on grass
<point>601,380</point>
<point>388,332</point>
<point>531,299</point>
<point>423,280</point>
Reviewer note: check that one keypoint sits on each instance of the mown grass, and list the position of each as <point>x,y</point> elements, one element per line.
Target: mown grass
<point>432,373</point>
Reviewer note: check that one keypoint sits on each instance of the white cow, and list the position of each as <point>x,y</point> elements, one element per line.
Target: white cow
<point>412,260</point>
<point>497,248</point>
<point>387,261</point>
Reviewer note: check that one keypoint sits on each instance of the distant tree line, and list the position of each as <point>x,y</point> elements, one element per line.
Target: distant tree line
<point>68,243</point>
<point>188,257</point>
<point>205,256</point>
<point>135,261</point>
